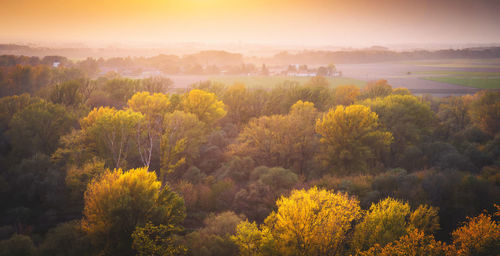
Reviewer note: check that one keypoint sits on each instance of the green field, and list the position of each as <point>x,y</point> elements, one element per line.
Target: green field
<point>474,82</point>
<point>270,81</point>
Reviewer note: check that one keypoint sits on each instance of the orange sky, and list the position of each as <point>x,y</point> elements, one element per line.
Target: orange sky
<point>292,22</point>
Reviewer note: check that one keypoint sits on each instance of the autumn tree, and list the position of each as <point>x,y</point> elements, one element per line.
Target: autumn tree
<point>376,89</point>
<point>479,235</point>
<point>312,222</point>
<point>204,105</point>
<point>345,95</point>
<point>111,131</point>
<point>352,137</point>
<point>153,107</point>
<point>281,140</point>
<point>253,241</point>
<point>415,243</point>
<point>385,222</point>
<point>118,202</point>
<point>485,112</point>
<point>183,134</point>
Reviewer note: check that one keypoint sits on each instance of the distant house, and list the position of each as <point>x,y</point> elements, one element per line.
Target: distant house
<point>56,64</point>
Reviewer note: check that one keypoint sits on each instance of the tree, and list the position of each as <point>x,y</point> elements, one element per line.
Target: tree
<point>253,241</point>
<point>111,132</point>
<point>454,113</point>
<point>17,245</point>
<point>415,243</point>
<point>485,112</point>
<point>384,223</point>
<point>157,240</point>
<point>345,95</point>
<point>376,89</point>
<point>204,105</point>
<point>214,238</point>
<point>425,218</point>
<point>38,127</point>
<point>183,134</point>
<point>478,236</point>
<point>118,202</point>
<point>236,98</point>
<point>312,222</point>
<point>405,116</point>
<point>153,107</point>
<point>288,141</point>
<point>352,137</point>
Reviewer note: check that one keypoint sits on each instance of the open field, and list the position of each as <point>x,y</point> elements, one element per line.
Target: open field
<point>445,77</point>
<point>474,82</point>
<point>270,81</point>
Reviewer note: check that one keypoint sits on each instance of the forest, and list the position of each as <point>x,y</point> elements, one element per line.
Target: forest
<point>110,165</point>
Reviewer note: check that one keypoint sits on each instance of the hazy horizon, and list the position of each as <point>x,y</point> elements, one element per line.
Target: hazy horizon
<point>315,23</point>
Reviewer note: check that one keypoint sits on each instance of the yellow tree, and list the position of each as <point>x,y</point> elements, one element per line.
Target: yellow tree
<point>204,105</point>
<point>385,222</point>
<point>153,107</point>
<point>111,132</point>
<point>352,137</point>
<point>253,241</point>
<point>485,112</point>
<point>118,202</point>
<point>312,222</point>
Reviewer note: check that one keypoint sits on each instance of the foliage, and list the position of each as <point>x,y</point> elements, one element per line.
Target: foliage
<point>385,222</point>
<point>352,138</point>
<point>415,243</point>
<point>17,245</point>
<point>183,134</point>
<point>485,112</point>
<point>118,202</point>
<point>36,128</point>
<point>66,239</point>
<point>214,238</point>
<point>312,222</point>
<point>156,240</point>
<point>253,241</point>
<point>204,105</point>
<point>425,218</point>
<point>111,132</point>
<point>478,236</point>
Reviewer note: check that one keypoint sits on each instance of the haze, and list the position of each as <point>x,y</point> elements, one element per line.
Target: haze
<point>279,22</point>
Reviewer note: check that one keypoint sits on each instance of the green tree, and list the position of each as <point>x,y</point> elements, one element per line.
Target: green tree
<point>406,117</point>
<point>38,127</point>
<point>17,245</point>
<point>352,137</point>
<point>118,202</point>
<point>180,143</point>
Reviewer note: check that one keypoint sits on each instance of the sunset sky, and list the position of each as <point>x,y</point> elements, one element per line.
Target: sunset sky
<point>278,22</point>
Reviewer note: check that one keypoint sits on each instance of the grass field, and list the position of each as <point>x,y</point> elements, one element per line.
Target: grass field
<point>270,81</point>
<point>475,82</point>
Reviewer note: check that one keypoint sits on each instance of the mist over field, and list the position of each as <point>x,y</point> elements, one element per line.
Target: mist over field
<point>218,127</point>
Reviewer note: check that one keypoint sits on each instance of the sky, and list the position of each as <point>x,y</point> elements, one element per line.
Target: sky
<point>347,23</point>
